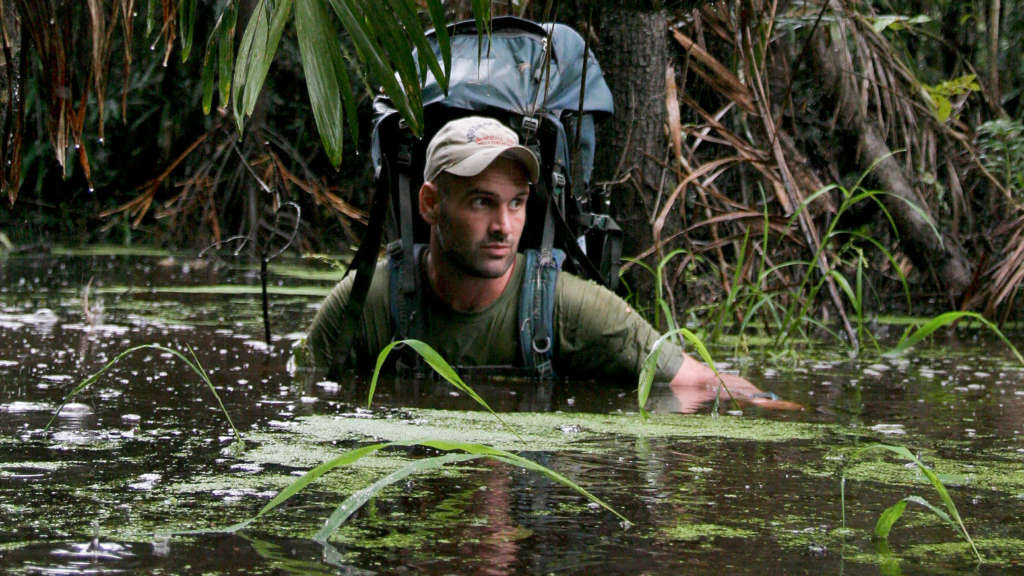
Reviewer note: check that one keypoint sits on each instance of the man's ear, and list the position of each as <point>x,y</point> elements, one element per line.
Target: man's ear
<point>430,201</point>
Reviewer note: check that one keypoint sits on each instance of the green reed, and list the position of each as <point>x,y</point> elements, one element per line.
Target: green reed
<point>888,518</point>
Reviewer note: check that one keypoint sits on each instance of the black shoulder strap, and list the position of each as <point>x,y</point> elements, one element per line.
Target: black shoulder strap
<point>363,263</point>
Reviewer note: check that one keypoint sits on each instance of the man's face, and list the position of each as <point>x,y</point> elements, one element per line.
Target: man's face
<point>480,220</point>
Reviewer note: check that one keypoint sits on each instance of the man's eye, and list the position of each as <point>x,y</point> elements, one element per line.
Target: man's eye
<point>517,203</point>
<point>478,202</point>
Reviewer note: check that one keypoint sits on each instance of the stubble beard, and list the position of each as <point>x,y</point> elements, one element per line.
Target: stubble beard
<point>469,260</point>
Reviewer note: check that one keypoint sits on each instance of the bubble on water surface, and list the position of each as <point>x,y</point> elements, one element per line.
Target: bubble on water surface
<point>75,410</point>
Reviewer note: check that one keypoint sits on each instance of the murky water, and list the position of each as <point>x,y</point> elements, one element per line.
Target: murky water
<point>144,452</point>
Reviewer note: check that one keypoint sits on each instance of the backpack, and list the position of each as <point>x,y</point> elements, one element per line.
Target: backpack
<point>530,77</point>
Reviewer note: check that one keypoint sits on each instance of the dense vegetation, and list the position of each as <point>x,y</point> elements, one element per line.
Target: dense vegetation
<point>814,158</point>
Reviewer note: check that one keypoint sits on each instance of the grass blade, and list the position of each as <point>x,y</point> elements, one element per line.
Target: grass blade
<point>953,518</point>
<point>516,460</point>
<point>195,366</point>
<point>910,340</point>
<point>888,518</point>
<point>357,499</point>
<point>442,367</point>
<point>314,474</point>
<point>650,366</point>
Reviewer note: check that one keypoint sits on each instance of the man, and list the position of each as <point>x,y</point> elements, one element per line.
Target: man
<point>476,184</point>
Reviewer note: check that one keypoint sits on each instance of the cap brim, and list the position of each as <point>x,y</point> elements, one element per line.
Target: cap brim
<point>479,162</point>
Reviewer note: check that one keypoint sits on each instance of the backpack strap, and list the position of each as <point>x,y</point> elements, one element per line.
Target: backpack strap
<point>537,310</point>
<point>362,266</point>
<point>404,299</point>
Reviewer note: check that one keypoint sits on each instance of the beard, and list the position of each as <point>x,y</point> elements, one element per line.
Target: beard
<point>469,256</point>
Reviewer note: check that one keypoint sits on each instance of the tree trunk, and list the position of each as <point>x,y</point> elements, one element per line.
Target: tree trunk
<point>926,249</point>
<point>633,53</point>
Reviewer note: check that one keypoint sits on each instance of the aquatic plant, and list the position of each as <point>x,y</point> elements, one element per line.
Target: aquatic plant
<point>891,515</point>
<point>194,364</point>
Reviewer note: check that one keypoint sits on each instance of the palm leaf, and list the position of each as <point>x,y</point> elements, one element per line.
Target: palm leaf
<point>373,55</point>
<point>318,44</point>
<point>256,52</point>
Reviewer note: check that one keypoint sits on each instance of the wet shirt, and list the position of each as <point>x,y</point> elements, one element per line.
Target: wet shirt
<point>597,335</point>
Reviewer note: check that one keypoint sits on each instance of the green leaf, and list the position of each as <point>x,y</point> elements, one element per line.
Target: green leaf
<point>360,497</point>
<point>889,517</point>
<point>193,364</point>
<point>650,364</point>
<point>954,515</point>
<point>209,69</point>
<point>152,9</point>
<point>437,18</point>
<point>396,46</point>
<point>186,26</point>
<point>318,44</point>
<point>226,51</point>
<point>409,20</point>
<point>256,52</point>
<point>353,502</point>
<point>370,52</point>
<point>515,460</point>
<point>314,474</point>
<point>939,512</point>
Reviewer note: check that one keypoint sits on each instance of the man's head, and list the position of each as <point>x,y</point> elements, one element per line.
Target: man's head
<point>476,182</point>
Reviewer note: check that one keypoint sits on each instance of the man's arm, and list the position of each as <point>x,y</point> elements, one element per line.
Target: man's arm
<point>695,383</point>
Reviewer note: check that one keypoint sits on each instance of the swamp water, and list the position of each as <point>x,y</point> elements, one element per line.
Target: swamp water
<point>145,452</point>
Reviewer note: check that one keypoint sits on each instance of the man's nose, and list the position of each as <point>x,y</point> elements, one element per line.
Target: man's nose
<point>502,220</point>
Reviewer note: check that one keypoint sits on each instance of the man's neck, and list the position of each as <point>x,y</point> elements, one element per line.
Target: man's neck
<point>460,291</point>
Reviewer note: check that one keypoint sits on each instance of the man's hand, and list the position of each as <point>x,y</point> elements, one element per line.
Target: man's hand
<point>695,383</point>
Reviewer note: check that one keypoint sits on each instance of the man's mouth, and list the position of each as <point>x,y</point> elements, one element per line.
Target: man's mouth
<point>497,248</point>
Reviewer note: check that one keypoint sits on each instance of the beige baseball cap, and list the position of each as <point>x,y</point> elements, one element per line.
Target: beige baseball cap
<point>467,146</point>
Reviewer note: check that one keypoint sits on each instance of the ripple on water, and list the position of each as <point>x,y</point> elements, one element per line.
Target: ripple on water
<point>18,407</point>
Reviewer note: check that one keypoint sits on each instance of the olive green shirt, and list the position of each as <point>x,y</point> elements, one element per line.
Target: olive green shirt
<point>597,335</point>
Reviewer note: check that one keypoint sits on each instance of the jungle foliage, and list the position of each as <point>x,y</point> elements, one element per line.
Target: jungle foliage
<point>819,155</point>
